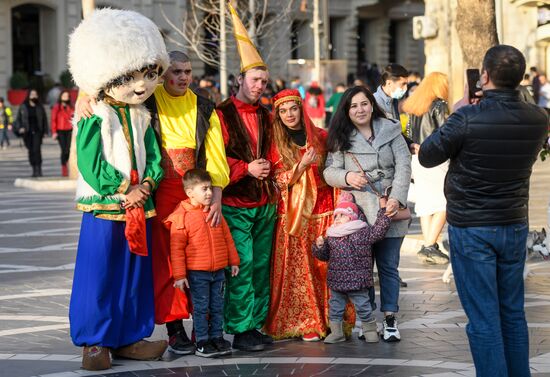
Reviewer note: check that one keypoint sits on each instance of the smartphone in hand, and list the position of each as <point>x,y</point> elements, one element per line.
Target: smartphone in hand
<point>472,75</point>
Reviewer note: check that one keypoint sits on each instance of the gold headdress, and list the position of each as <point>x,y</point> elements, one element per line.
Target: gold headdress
<point>250,58</point>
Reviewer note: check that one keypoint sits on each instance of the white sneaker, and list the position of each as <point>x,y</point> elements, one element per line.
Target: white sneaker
<point>390,331</point>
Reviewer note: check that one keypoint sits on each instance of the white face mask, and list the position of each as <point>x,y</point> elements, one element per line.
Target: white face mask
<point>398,93</point>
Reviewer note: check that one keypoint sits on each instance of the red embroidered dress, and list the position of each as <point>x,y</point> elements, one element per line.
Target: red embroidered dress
<point>299,293</point>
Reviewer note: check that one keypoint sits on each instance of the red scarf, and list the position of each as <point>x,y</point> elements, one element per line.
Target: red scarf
<point>136,230</point>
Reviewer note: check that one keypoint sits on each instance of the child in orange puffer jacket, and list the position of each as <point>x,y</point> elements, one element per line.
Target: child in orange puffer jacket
<point>199,255</point>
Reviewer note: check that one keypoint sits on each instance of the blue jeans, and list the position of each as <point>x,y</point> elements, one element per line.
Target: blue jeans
<point>207,298</point>
<point>386,255</point>
<point>488,267</point>
<point>360,299</point>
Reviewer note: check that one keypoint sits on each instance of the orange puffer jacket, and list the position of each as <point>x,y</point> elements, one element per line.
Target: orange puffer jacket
<point>195,245</point>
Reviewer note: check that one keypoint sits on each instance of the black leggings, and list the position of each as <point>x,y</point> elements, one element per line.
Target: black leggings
<point>33,142</point>
<point>64,139</point>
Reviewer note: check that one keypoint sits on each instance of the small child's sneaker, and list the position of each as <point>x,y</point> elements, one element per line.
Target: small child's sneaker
<point>206,349</point>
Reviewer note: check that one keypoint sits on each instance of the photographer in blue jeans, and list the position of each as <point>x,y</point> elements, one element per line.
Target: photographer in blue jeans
<point>492,144</point>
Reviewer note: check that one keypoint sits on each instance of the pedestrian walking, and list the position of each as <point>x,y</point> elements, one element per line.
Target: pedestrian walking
<point>32,125</point>
<point>333,102</point>
<point>314,104</point>
<point>428,109</point>
<point>544,92</point>
<point>393,86</point>
<point>492,146</point>
<point>535,83</point>
<point>5,124</point>
<point>62,127</point>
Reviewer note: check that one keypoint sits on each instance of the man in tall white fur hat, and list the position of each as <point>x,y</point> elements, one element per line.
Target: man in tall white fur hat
<point>116,56</point>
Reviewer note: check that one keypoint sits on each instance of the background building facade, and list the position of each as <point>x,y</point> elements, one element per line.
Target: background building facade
<point>34,35</point>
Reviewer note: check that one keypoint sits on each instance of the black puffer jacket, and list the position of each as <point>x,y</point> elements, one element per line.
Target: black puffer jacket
<point>420,127</point>
<point>23,122</point>
<point>492,147</point>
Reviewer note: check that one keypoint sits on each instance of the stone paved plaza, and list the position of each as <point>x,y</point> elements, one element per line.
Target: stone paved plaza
<point>38,238</point>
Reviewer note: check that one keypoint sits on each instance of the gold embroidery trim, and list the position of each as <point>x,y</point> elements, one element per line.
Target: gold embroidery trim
<point>122,217</point>
<point>98,207</point>
<point>114,102</point>
<point>126,129</point>
<point>123,188</point>
<point>296,99</point>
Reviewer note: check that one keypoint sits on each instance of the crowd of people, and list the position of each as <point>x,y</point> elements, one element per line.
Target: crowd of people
<point>265,225</point>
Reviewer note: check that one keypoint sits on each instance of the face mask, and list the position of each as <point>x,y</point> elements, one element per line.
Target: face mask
<point>65,101</point>
<point>398,93</point>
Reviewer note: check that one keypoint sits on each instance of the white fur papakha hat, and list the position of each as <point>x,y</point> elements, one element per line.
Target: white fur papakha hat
<point>110,43</point>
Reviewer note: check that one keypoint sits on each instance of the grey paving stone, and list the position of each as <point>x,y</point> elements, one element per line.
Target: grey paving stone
<point>432,338</point>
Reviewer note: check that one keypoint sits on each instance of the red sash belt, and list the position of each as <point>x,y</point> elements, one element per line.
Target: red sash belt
<point>136,231</point>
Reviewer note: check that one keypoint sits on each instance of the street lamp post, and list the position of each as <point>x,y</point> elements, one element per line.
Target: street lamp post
<point>87,7</point>
<point>223,52</point>
<point>316,43</point>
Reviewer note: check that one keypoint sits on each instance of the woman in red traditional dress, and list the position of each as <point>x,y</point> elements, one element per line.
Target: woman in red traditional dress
<point>299,294</point>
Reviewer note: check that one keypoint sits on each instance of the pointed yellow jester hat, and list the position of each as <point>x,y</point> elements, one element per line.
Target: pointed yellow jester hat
<point>250,58</point>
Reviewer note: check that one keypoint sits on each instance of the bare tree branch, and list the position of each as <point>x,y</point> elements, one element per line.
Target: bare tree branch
<point>200,28</point>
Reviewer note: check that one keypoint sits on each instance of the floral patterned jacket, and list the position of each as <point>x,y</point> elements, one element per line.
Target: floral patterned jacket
<point>350,261</point>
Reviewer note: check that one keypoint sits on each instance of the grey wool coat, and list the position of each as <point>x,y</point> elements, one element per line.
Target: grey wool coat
<point>387,162</point>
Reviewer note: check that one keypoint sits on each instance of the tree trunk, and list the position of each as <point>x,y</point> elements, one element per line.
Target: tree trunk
<point>476,28</point>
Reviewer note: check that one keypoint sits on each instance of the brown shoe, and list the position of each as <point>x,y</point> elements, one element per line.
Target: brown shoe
<point>142,350</point>
<point>96,358</point>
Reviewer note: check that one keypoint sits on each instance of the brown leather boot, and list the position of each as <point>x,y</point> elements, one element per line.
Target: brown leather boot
<point>142,350</point>
<point>96,358</point>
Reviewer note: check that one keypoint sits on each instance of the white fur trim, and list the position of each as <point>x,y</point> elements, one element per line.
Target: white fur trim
<point>114,144</point>
<point>111,43</point>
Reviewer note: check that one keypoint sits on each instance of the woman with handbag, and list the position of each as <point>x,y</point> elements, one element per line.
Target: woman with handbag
<point>369,156</point>
<point>428,110</point>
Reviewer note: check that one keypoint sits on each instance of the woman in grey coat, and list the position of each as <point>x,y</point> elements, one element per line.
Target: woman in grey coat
<point>360,128</point>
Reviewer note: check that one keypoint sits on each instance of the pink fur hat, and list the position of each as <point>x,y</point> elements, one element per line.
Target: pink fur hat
<point>346,206</point>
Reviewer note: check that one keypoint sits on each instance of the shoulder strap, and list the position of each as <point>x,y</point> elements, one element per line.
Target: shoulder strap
<point>371,185</point>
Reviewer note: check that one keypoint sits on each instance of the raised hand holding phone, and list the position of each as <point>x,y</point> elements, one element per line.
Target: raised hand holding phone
<point>474,89</point>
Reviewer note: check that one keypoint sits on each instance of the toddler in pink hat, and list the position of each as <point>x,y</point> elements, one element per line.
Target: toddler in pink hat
<point>348,250</point>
